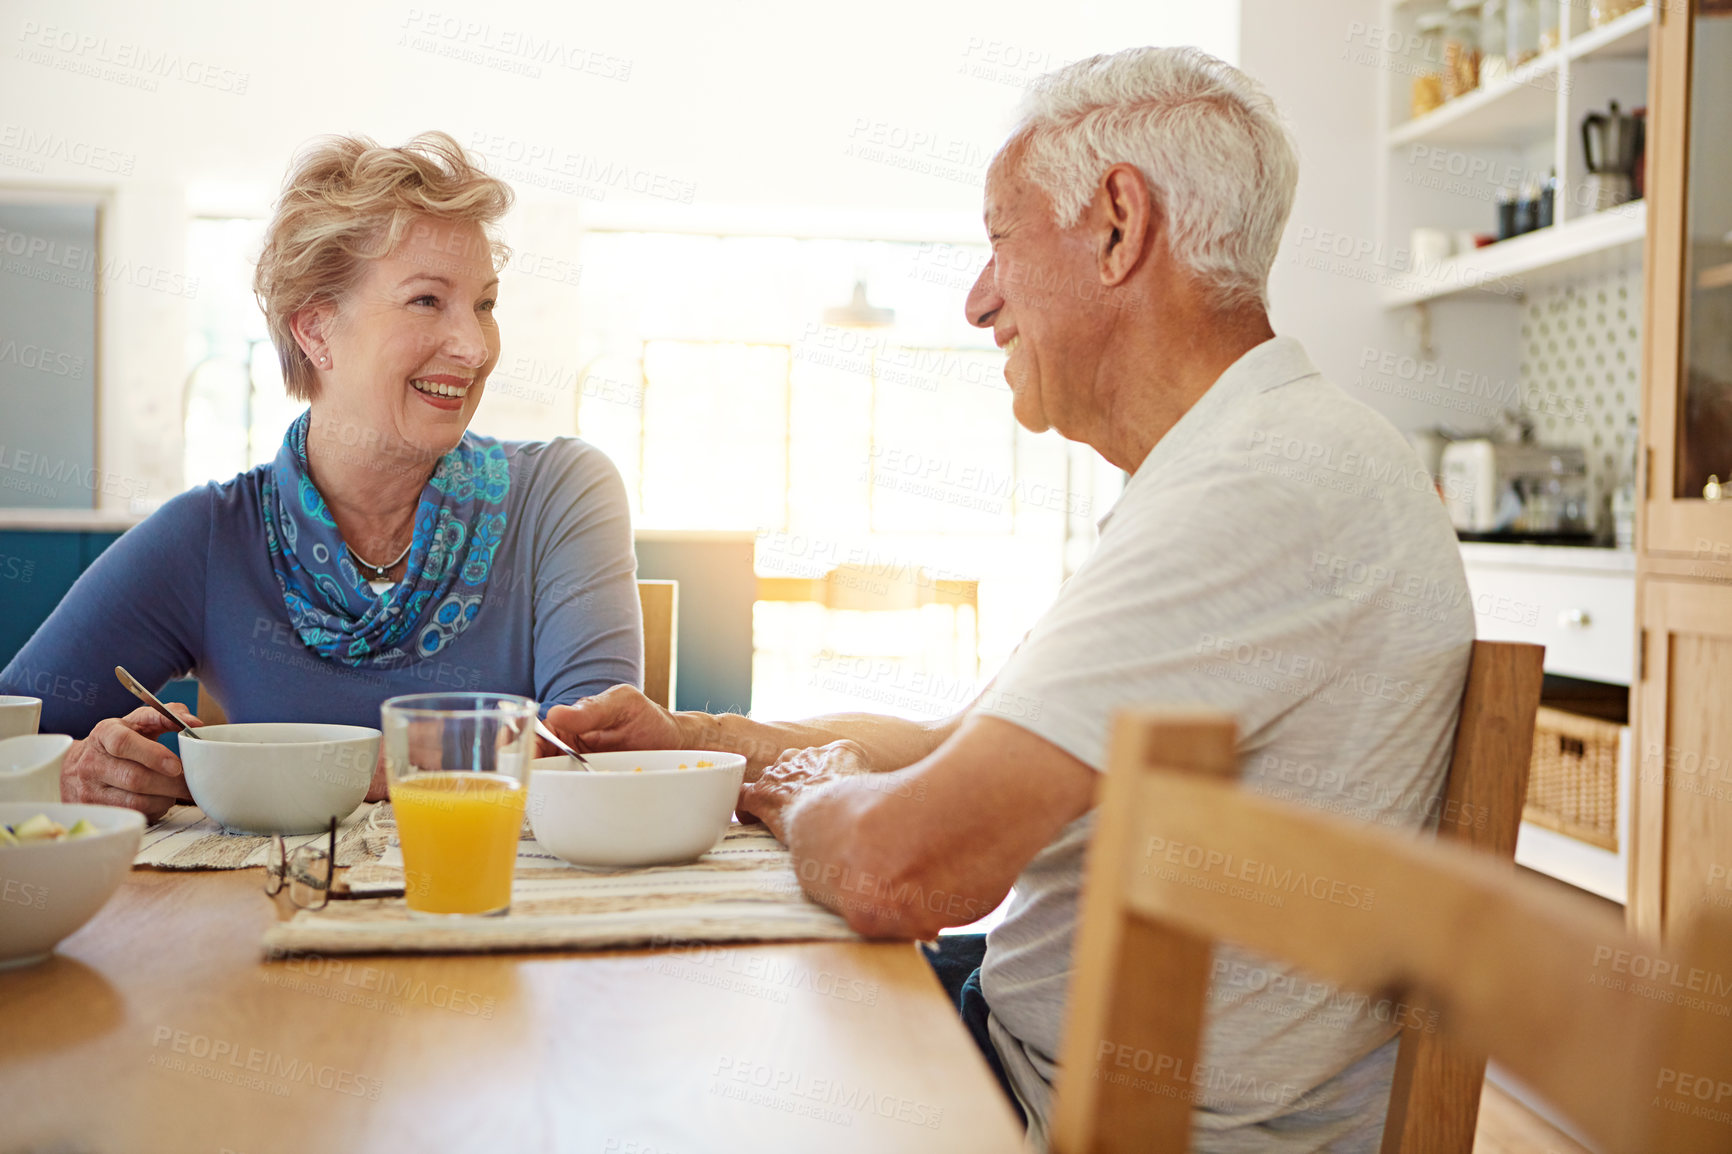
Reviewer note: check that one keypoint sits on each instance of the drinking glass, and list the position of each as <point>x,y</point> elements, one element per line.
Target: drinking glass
<point>458,764</point>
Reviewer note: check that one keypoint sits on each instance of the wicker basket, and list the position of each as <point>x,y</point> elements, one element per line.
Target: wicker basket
<point>1573,782</point>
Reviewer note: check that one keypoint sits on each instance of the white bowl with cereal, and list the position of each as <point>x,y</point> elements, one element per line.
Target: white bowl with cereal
<point>654,807</point>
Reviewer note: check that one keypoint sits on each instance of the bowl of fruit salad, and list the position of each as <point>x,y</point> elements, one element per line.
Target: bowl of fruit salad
<point>59,864</point>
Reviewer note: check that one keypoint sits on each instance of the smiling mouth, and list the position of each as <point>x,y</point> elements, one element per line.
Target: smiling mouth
<point>441,389</point>
<point>1010,345</point>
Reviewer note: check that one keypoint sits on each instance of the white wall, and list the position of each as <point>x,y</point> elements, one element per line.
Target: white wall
<point>1300,52</point>
<point>761,111</point>
<point>1294,50</point>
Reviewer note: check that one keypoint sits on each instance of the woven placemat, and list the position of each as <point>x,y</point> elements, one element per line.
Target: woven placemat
<point>743,890</point>
<point>185,839</point>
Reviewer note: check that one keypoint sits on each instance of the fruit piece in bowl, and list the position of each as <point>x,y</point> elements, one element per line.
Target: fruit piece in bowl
<point>653,807</point>
<point>43,828</point>
<point>52,882</point>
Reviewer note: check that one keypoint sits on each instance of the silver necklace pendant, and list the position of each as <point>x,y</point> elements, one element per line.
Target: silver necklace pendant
<point>380,570</point>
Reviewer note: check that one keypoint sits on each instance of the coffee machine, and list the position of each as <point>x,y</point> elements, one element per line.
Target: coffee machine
<point>1502,491</point>
<point>1612,147</point>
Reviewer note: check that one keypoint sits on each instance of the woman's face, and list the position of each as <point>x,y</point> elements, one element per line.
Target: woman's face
<point>410,347</point>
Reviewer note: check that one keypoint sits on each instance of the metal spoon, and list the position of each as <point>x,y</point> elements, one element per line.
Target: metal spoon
<point>137,689</point>
<point>553,739</point>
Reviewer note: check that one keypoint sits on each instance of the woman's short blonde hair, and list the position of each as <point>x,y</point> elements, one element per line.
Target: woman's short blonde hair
<point>347,201</point>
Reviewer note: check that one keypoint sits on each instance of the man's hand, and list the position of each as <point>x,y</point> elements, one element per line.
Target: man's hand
<point>769,795</point>
<point>617,718</point>
<point>905,853</point>
<point>120,763</point>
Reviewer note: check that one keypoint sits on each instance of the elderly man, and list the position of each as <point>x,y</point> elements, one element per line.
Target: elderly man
<point>1278,553</point>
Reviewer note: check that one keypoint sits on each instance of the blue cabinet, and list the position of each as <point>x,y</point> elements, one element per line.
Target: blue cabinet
<point>37,567</point>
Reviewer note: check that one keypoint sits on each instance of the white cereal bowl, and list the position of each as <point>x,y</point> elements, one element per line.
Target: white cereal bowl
<point>19,715</point>
<point>279,776</point>
<point>30,766</point>
<point>50,888</point>
<point>619,817</point>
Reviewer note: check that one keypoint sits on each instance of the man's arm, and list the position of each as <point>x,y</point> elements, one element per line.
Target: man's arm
<point>886,742</point>
<point>904,853</point>
<point>623,718</point>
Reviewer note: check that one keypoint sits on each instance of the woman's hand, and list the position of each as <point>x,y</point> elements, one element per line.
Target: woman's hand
<point>617,718</point>
<point>120,763</point>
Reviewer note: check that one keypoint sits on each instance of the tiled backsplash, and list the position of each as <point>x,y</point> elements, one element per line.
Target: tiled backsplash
<point>1581,343</point>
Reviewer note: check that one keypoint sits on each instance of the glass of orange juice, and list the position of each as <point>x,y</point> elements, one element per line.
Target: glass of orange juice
<point>458,765</point>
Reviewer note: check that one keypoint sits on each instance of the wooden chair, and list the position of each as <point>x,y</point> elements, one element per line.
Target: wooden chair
<point>1434,1101</point>
<point>880,590</point>
<point>1548,983</point>
<point>661,619</point>
<point>661,614</point>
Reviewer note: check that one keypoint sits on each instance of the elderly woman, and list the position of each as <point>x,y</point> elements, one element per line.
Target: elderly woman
<point>386,549</point>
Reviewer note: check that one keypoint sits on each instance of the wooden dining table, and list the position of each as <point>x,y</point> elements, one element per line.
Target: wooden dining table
<point>160,1026</point>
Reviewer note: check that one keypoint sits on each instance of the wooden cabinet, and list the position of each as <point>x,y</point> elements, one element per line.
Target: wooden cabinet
<point>1682,697</point>
<point>1683,837</point>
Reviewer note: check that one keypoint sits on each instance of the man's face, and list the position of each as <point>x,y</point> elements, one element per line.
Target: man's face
<point>1040,296</point>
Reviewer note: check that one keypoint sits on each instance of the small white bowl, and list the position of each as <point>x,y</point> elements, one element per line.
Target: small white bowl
<point>617,817</point>
<point>30,766</point>
<point>19,715</point>
<point>279,776</point>
<point>50,888</point>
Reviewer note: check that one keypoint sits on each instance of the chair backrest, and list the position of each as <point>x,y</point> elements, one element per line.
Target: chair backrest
<point>872,589</point>
<point>1630,1042</point>
<point>1434,1101</point>
<point>209,711</point>
<point>661,619</point>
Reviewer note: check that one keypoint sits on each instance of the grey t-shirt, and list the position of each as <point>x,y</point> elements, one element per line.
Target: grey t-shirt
<point>1280,555</point>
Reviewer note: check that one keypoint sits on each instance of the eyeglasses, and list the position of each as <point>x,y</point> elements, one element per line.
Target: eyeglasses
<point>307,872</point>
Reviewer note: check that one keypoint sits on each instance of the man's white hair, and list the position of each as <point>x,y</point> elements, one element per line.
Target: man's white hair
<point>1218,159</point>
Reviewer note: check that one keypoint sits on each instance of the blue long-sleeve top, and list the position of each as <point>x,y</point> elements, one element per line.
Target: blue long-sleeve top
<point>190,590</point>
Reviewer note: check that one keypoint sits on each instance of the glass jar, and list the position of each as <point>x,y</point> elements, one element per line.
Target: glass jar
<point>1551,26</point>
<point>1605,11</point>
<point>1522,41</point>
<point>1493,40</point>
<point>1461,49</point>
<point>1428,62</point>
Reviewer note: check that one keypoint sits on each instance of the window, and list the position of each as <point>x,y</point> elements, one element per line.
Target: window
<point>236,411</point>
<point>712,379</point>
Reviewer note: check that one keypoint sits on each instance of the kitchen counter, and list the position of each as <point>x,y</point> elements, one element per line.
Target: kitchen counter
<point>1577,557</point>
<point>69,520</point>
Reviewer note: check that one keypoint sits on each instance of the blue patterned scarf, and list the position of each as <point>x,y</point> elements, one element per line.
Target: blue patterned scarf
<point>458,525</point>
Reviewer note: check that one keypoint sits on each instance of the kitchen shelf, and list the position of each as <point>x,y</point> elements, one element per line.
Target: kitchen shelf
<point>1625,38</point>
<point>1510,268</point>
<point>1516,109</point>
<point>1520,108</point>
